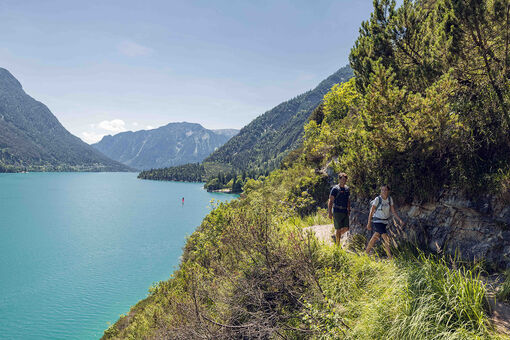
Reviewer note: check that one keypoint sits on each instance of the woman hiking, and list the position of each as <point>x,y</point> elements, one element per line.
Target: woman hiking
<point>378,219</point>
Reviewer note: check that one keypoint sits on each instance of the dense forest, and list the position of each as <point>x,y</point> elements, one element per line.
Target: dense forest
<point>427,110</point>
<point>191,172</point>
<point>196,172</point>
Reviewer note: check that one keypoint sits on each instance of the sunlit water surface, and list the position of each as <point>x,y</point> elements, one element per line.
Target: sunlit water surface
<point>78,249</point>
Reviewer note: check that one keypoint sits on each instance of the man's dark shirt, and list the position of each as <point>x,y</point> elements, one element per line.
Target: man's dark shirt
<point>341,198</point>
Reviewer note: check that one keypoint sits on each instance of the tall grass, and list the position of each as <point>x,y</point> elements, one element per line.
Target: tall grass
<point>410,298</point>
<point>503,293</point>
<point>445,302</point>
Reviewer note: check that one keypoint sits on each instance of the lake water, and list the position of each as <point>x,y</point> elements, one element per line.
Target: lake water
<point>78,249</point>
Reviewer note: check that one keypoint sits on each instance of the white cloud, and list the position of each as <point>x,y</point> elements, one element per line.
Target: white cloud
<point>149,127</point>
<point>115,125</point>
<point>91,137</point>
<point>132,49</point>
<point>134,124</point>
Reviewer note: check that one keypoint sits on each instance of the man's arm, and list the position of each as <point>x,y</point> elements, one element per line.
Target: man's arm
<point>330,206</point>
<point>349,206</point>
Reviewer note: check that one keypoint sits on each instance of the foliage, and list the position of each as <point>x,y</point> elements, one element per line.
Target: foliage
<point>250,271</point>
<point>193,172</point>
<point>434,80</point>
<point>428,109</point>
<point>262,144</point>
<point>503,293</point>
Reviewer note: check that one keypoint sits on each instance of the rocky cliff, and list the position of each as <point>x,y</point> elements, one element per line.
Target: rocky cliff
<point>473,229</point>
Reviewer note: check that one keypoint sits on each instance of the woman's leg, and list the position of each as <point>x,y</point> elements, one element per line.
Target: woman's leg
<point>371,243</point>
<point>386,243</point>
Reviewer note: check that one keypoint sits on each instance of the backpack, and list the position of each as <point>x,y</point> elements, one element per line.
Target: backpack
<point>379,204</point>
<point>335,202</point>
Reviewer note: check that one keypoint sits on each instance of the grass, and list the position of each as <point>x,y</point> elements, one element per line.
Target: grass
<point>409,298</point>
<point>308,289</point>
<point>503,293</point>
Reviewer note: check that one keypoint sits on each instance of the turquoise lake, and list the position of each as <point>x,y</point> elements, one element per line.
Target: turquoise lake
<point>79,249</point>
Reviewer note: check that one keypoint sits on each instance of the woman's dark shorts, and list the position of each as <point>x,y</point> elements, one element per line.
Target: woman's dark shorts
<point>379,228</point>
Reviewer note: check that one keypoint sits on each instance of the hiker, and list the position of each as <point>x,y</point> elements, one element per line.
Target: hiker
<point>378,219</point>
<point>339,206</point>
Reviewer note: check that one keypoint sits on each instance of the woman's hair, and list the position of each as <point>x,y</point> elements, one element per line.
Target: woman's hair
<point>385,185</point>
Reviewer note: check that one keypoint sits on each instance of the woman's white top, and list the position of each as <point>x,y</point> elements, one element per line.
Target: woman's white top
<point>382,214</point>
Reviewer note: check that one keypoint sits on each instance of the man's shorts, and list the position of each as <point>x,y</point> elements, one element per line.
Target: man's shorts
<point>379,228</point>
<point>341,220</point>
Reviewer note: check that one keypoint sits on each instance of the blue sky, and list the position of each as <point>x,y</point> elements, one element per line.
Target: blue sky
<point>108,66</point>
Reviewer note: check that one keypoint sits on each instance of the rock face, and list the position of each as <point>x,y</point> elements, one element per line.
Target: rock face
<point>471,229</point>
<point>169,145</point>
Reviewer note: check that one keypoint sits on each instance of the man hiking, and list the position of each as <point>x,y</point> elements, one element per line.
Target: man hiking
<point>378,219</point>
<point>339,206</point>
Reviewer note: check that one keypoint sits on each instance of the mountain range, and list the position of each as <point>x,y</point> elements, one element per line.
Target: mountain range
<point>261,145</point>
<point>32,138</point>
<point>264,142</point>
<point>169,145</point>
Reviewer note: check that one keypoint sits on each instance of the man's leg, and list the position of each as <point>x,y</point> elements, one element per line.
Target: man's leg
<point>371,243</point>
<point>386,243</point>
<point>339,233</point>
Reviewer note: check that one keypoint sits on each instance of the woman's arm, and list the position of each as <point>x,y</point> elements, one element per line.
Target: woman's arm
<point>369,223</point>
<point>393,211</point>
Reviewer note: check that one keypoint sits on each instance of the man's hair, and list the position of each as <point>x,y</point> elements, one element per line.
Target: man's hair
<point>342,174</point>
<point>386,185</point>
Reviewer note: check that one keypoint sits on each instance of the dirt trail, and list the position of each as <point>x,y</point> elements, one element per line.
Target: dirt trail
<point>322,232</point>
<point>500,311</point>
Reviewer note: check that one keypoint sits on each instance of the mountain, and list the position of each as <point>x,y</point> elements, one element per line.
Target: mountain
<point>32,138</point>
<point>169,145</point>
<point>264,142</point>
<point>227,132</point>
<point>261,145</point>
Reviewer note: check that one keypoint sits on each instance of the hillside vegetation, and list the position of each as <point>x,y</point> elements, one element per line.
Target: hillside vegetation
<point>261,145</point>
<point>426,111</point>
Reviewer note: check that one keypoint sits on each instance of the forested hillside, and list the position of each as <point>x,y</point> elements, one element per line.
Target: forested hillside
<point>427,112</point>
<point>170,145</point>
<point>261,145</point>
<point>31,137</point>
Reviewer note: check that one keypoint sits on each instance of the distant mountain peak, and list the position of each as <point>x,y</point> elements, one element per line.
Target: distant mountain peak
<point>173,144</point>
